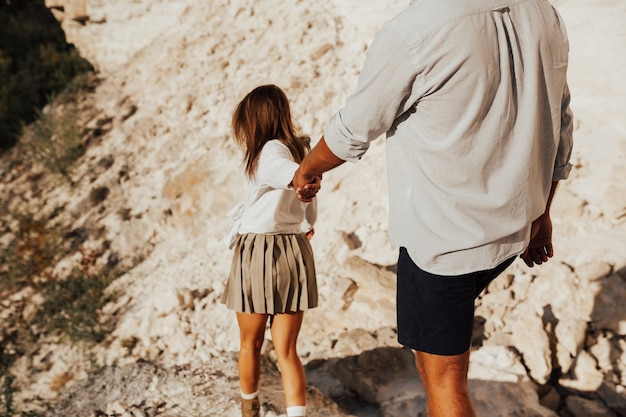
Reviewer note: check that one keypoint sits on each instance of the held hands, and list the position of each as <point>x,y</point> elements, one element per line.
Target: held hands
<point>308,177</point>
<point>307,192</point>
<point>306,187</point>
<point>540,246</point>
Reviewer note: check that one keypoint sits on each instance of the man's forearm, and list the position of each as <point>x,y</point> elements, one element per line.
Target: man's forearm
<point>318,161</point>
<point>550,196</point>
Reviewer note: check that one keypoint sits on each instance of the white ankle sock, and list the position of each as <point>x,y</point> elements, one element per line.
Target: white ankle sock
<point>249,396</point>
<point>296,411</point>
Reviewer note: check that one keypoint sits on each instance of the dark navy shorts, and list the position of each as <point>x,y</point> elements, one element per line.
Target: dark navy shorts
<point>436,312</point>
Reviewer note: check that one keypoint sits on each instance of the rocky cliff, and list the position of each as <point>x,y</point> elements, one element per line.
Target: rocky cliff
<point>150,193</point>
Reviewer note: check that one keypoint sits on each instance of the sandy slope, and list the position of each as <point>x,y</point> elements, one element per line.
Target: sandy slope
<point>181,66</point>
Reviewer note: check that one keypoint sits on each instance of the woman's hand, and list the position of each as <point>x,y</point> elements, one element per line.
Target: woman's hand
<point>307,191</point>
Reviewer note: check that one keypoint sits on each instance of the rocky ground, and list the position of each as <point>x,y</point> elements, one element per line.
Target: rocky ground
<point>149,197</point>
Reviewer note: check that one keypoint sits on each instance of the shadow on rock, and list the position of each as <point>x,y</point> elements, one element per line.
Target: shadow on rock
<point>378,382</point>
<point>383,382</point>
<point>595,385</point>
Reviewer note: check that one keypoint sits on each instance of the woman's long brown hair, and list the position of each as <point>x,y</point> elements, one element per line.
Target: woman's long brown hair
<point>261,116</point>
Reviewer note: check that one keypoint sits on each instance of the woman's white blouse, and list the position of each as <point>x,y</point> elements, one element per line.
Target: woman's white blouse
<point>270,205</point>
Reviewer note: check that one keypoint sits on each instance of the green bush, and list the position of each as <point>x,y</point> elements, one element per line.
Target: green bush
<point>72,305</point>
<point>55,140</point>
<point>31,253</point>
<point>36,63</point>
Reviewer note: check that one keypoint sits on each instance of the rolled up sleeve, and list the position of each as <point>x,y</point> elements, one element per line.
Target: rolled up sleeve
<point>562,165</point>
<point>370,111</point>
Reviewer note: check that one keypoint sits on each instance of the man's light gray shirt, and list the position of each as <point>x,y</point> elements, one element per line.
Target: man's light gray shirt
<point>473,98</point>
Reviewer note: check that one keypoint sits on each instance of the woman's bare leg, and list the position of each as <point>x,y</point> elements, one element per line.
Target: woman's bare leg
<point>251,336</point>
<point>285,331</point>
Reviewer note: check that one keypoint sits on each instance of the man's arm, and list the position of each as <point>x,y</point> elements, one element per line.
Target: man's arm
<point>540,246</point>
<point>306,178</point>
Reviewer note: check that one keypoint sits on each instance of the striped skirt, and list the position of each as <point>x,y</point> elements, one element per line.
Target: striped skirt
<point>271,274</point>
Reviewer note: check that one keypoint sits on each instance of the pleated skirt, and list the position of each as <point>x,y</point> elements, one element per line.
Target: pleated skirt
<point>271,274</point>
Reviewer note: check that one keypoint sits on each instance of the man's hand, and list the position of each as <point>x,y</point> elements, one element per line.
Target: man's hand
<point>306,191</point>
<point>540,246</point>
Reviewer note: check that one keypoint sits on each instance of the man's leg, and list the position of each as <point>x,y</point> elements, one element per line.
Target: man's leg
<point>435,320</point>
<point>445,380</point>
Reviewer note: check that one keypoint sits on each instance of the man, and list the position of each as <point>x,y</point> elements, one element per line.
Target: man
<point>473,98</point>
